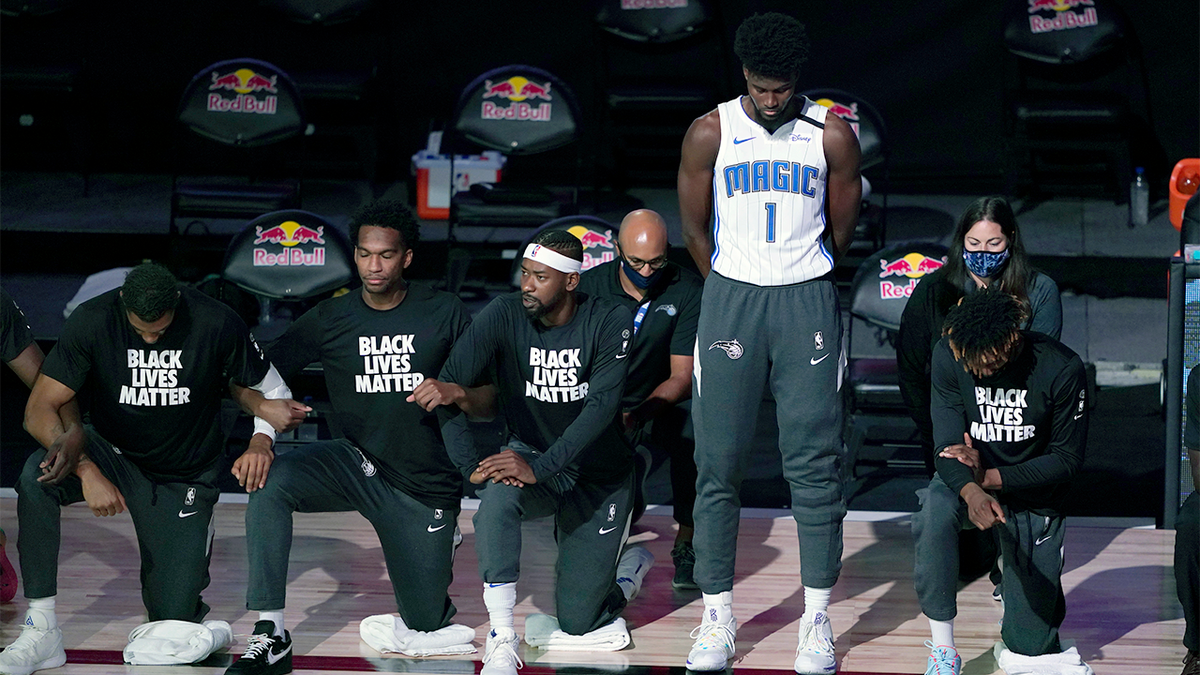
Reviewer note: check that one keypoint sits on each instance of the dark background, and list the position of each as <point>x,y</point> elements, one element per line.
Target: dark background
<point>936,70</point>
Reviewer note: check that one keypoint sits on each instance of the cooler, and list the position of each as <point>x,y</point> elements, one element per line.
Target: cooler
<point>433,178</point>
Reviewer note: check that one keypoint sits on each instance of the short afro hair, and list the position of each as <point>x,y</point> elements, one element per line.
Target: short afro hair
<point>984,323</point>
<point>150,291</point>
<point>562,242</point>
<point>772,45</point>
<point>387,213</point>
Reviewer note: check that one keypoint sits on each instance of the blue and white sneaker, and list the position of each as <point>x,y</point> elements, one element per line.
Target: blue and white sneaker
<point>943,660</point>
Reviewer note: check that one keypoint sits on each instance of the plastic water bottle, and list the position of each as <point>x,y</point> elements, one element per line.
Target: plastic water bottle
<point>1139,199</point>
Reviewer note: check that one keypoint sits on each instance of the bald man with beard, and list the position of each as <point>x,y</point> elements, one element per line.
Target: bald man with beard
<point>664,299</point>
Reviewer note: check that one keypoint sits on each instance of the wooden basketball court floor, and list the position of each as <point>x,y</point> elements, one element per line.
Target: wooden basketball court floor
<point>1121,606</point>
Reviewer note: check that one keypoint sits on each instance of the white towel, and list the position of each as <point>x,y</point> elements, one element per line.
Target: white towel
<point>387,633</point>
<point>165,643</point>
<point>542,631</point>
<point>1065,663</point>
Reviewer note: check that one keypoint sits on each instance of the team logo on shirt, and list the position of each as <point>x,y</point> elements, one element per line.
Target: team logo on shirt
<point>555,375</point>
<point>437,514</point>
<point>669,309</point>
<point>732,348</point>
<point>387,364</point>
<point>1002,415</point>
<point>154,378</point>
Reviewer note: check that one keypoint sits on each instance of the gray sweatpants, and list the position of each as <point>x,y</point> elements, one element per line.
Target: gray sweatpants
<point>787,338</point>
<point>591,521</point>
<point>417,541</point>
<point>1031,551</point>
<point>173,523</point>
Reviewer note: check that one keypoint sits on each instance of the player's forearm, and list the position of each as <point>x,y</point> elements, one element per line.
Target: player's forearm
<point>668,393</point>
<point>599,411</point>
<point>478,402</point>
<point>699,246</point>
<point>45,423</point>
<point>1057,467</point>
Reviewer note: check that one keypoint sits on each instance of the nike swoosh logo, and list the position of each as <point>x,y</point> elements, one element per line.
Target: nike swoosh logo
<point>621,356</point>
<point>273,658</point>
<point>1079,415</point>
<point>185,515</point>
<point>435,529</point>
<point>739,141</point>
<point>814,361</point>
<point>1041,540</point>
<point>606,531</point>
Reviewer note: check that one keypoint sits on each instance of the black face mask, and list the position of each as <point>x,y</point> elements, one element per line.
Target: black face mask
<point>639,280</point>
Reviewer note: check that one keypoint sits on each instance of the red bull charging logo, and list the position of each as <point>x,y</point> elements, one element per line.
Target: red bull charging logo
<point>1065,16</point>
<point>244,83</point>
<point>289,234</point>
<point>846,112</point>
<point>593,239</point>
<point>519,91</point>
<point>913,266</point>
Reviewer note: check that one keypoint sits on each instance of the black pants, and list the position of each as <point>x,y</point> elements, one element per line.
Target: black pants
<point>173,522</point>
<point>591,521</point>
<point>1187,568</point>
<point>666,432</point>
<point>417,541</point>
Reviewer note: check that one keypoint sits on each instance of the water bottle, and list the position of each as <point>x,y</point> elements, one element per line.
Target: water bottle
<point>1139,199</point>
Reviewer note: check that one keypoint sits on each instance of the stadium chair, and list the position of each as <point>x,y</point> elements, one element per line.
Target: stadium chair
<point>518,111</point>
<point>340,103</point>
<point>45,114</point>
<point>868,125</point>
<point>241,125</point>
<point>660,67</point>
<point>877,414</point>
<point>1070,112</point>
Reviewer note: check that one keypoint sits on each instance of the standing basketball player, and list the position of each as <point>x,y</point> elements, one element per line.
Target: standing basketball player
<point>778,180</point>
<point>560,362</point>
<point>153,359</point>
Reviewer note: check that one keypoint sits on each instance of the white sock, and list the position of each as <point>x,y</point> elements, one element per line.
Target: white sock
<point>275,616</point>
<point>718,607</point>
<point>815,600</point>
<point>943,633</point>
<point>42,610</point>
<point>500,600</point>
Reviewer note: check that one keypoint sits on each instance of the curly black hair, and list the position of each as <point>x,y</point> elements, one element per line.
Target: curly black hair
<point>562,242</point>
<point>391,214</point>
<point>772,45</point>
<point>150,291</point>
<point>984,323</point>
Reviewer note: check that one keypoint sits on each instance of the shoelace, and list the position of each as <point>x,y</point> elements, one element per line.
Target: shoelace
<point>713,635</point>
<point>684,554</point>
<point>509,652</point>
<point>946,662</point>
<point>26,640</point>
<point>256,644</point>
<point>815,641</point>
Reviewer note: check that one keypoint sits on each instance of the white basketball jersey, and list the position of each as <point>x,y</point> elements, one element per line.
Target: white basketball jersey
<point>769,198</point>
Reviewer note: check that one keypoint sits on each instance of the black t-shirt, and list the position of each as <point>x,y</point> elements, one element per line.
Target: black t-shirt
<point>373,359</point>
<point>668,327</point>
<point>1029,420</point>
<point>158,404</point>
<point>559,388</point>
<point>15,335</point>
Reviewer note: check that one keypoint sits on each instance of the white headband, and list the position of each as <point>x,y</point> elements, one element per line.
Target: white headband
<point>552,258</point>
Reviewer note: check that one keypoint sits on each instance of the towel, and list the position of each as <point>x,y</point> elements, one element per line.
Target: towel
<point>164,643</point>
<point>386,633</point>
<point>1064,663</point>
<point>542,631</point>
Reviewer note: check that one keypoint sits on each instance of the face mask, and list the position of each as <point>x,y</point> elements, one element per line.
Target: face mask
<point>984,264</point>
<point>639,280</point>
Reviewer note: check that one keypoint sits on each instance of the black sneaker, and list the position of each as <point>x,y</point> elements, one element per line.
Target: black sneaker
<point>266,653</point>
<point>684,557</point>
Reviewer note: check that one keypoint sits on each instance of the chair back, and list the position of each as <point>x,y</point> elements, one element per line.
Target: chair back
<point>862,117</point>
<point>657,21</point>
<point>1062,31</point>
<point>242,102</point>
<point>885,280</point>
<point>290,255</point>
<point>516,110</point>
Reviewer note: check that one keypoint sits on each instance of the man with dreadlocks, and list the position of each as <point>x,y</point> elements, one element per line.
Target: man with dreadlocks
<point>769,193</point>
<point>1009,412</point>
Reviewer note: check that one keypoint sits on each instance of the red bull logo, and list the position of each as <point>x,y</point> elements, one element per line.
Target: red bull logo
<point>593,239</point>
<point>519,90</point>
<point>846,112</point>
<point>913,265</point>
<point>653,4</point>
<point>243,82</point>
<point>1065,16</point>
<point>289,234</point>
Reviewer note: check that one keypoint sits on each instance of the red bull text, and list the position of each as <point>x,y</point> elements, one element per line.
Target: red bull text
<point>914,266</point>
<point>590,261</point>
<point>518,90</point>
<point>244,83</point>
<point>289,234</point>
<point>1065,17</point>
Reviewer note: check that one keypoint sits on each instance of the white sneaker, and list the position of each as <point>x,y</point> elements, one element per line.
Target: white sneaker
<point>500,655</point>
<point>814,655</point>
<point>635,562</point>
<point>37,648</point>
<point>714,646</point>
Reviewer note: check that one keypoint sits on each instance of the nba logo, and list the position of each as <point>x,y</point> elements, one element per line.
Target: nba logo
<point>818,341</point>
<point>437,514</point>
<point>191,497</point>
<point>612,512</point>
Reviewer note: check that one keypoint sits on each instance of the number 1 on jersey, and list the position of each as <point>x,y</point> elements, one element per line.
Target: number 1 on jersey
<point>770,206</point>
